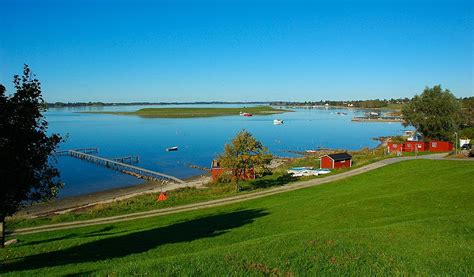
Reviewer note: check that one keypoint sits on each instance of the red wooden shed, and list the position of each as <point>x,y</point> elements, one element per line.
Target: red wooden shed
<point>394,147</point>
<point>338,160</point>
<point>440,146</point>
<point>217,170</point>
<point>415,146</point>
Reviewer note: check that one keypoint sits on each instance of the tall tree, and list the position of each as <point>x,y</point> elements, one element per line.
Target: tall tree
<point>467,112</point>
<point>26,173</point>
<point>244,155</point>
<point>436,113</point>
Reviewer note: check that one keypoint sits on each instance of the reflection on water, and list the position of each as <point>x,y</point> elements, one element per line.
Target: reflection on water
<point>199,139</point>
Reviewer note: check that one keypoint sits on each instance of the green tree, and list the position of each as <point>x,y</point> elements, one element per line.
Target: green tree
<point>26,173</point>
<point>467,112</point>
<point>243,155</point>
<point>436,113</point>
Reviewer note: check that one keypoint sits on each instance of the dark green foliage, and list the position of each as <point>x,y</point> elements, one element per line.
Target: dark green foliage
<point>436,113</point>
<point>26,173</point>
<point>467,133</point>
<point>468,111</point>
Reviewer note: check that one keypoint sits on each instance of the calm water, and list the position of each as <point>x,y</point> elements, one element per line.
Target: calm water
<point>199,140</point>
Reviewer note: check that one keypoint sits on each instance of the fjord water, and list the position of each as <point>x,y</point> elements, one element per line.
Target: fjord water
<point>199,139</point>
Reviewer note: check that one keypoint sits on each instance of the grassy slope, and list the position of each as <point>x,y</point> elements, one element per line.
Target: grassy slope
<point>197,112</point>
<point>414,217</point>
<point>191,195</point>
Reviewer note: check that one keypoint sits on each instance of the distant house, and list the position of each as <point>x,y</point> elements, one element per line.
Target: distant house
<point>415,146</point>
<point>440,146</point>
<point>419,146</point>
<point>338,160</point>
<point>394,147</point>
<point>217,170</point>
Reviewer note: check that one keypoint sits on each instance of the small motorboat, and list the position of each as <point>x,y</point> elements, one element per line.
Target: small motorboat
<point>277,122</point>
<point>174,148</point>
<point>247,114</point>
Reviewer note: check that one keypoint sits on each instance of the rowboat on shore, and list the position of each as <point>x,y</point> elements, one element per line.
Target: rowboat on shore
<point>174,148</point>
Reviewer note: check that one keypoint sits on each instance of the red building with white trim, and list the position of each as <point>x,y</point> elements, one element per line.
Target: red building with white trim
<point>394,147</point>
<point>415,146</point>
<point>338,160</point>
<point>440,146</point>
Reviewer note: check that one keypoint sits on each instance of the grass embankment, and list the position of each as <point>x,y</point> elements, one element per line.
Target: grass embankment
<point>198,112</point>
<point>185,196</point>
<point>410,218</point>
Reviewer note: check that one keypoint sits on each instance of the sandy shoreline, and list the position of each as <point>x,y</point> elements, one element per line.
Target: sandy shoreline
<point>71,203</point>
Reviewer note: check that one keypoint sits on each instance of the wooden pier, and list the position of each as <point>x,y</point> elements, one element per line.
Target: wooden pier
<point>119,164</point>
<point>129,159</point>
<point>91,150</point>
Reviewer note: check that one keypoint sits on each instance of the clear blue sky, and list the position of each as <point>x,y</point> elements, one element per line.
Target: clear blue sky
<point>237,51</point>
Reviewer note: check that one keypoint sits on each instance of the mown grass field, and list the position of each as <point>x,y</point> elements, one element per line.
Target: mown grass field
<point>198,112</point>
<point>412,218</point>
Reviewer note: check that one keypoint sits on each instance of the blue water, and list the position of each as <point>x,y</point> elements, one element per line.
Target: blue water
<point>199,140</point>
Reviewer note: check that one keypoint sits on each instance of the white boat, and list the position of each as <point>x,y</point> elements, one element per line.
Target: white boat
<point>323,171</point>
<point>277,121</point>
<point>307,171</point>
<point>174,148</point>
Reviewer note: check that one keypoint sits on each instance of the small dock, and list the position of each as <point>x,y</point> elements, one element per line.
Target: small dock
<point>119,164</point>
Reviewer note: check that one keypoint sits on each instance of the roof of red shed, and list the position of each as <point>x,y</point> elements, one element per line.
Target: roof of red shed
<point>339,156</point>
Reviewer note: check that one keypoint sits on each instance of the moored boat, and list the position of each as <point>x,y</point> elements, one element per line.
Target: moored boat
<point>277,122</point>
<point>174,148</point>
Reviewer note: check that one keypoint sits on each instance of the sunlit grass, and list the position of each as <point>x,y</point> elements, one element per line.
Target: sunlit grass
<point>410,218</point>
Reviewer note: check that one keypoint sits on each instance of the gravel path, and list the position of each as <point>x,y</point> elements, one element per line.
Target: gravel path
<point>224,201</point>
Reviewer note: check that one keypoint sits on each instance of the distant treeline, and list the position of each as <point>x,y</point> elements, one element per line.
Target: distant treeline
<point>99,104</point>
<point>376,103</point>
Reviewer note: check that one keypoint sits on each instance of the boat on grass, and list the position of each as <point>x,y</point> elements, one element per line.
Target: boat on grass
<point>307,171</point>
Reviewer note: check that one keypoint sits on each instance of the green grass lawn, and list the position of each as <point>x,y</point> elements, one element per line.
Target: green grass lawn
<point>411,218</point>
<point>198,112</point>
<point>185,196</point>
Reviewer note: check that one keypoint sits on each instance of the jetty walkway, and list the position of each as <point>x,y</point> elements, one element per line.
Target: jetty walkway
<point>119,164</point>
